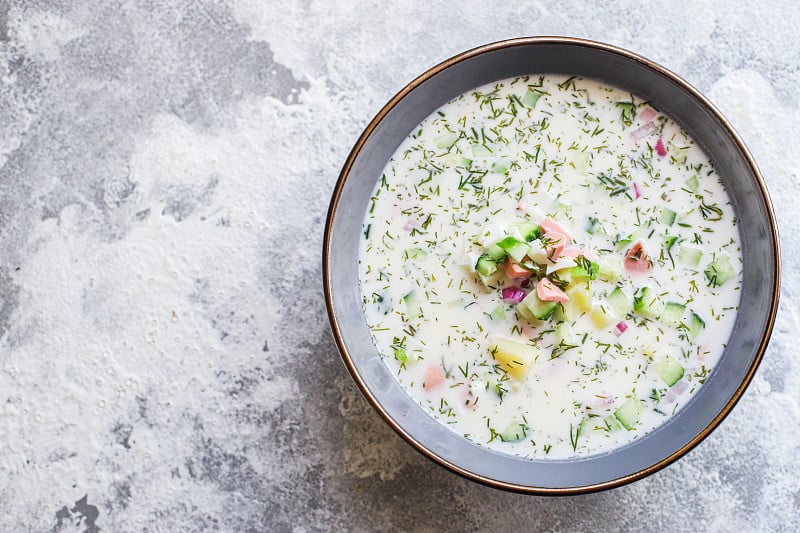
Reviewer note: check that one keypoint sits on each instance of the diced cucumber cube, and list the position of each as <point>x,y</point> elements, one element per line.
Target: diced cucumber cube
<point>689,255</point>
<point>630,412</point>
<point>416,253</point>
<point>531,98</point>
<point>486,266</point>
<point>529,231</point>
<point>514,432</point>
<point>413,308</point>
<point>647,303</point>
<point>592,424</point>
<point>609,268</point>
<point>456,160</point>
<point>500,166</point>
<point>696,324</point>
<point>498,313</point>
<point>446,140</point>
<point>580,273</point>
<point>539,309</point>
<point>693,184</point>
<point>667,216</point>
<point>566,335</point>
<point>514,357</point>
<point>619,302</point>
<point>673,313</point>
<point>613,423</point>
<point>481,150</point>
<point>495,253</point>
<point>669,370</point>
<point>514,247</point>
<point>719,271</point>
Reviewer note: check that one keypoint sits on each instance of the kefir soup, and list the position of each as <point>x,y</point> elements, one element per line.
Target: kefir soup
<point>550,266</point>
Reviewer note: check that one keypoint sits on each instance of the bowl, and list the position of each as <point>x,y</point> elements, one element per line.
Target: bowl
<point>668,93</point>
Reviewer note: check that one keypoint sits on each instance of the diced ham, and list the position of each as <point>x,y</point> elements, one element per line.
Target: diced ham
<point>636,260</point>
<point>554,243</point>
<point>522,205</point>
<point>514,270</point>
<point>547,291</point>
<point>548,224</point>
<point>434,377</point>
<point>574,251</point>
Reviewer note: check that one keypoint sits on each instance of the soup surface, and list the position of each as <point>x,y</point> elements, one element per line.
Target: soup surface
<point>550,266</point>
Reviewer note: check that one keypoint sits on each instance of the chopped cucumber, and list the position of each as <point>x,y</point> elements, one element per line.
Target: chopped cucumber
<point>498,313</point>
<point>719,271</point>
<point>630,412</point>
<point>495,253</point>
<point>689,255</point>
<point>566,335</point>
<point>500,166</point>
<point>514,247</point>
<point>446,140</point>
<point>514,432</point>
<point>619,302</point>
<point>592,424</point>
<point>613,423</point>
<point>592,226</point>
<point>530,98</point>
<point>693,184</point>
<point>696,323</point>
<point>647,303</point>
<point>580,272</point>
<point>416,253</point>
<point>669,370</point>
<point>413,308</point>
<point>457,160</point>
<point>486,265</point>
<point>538,309</point>
<point>609,268</point>
<point>673,313</point>
<point>667,216</point>
<point>529,231</point>
<point>514,357</point>
<point>481,150</point>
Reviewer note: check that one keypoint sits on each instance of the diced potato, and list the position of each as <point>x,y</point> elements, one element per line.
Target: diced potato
<point>515,357</point>
<point>580,301</point>
<point>602,317</point>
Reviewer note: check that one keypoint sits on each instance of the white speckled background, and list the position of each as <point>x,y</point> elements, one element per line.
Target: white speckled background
<point>165,357</point>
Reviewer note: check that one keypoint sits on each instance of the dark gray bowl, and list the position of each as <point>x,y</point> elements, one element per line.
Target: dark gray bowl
<point>670,94</point>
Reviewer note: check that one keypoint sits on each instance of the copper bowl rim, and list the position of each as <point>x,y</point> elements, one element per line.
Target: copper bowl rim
<point>348,361</point>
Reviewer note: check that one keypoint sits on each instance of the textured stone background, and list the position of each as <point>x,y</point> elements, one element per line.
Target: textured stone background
<point>165,358</point>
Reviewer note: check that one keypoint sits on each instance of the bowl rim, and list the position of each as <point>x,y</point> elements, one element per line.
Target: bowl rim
<point>332,212</point>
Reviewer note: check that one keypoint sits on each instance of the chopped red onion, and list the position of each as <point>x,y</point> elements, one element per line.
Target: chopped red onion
<point>675,391</point>
<point>620,328</point>
<point>660,150</point>
<point>513,294</point>
<point>636,191</point>
<point>647,113</point>
<point>525,282</point>
<point>644,131</point>
<point>411,223</point>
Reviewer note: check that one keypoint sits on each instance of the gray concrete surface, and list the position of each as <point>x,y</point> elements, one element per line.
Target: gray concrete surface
<point>165,358</point>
